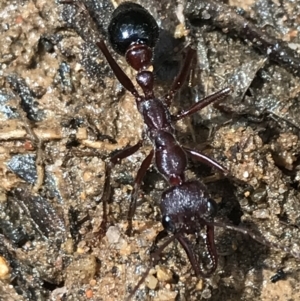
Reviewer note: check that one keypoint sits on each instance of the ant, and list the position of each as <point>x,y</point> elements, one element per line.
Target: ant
<point>186,206</point>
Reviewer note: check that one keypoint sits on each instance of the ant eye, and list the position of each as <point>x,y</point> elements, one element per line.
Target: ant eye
<point>168,224</point>
<point>212,208</point>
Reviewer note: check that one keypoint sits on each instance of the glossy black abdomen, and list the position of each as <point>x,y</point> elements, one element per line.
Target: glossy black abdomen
<point>131,23</point>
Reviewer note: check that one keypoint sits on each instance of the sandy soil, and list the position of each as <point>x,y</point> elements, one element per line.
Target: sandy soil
<point>62,113</point>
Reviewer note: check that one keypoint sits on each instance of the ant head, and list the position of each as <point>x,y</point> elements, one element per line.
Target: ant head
<point>132,32</point>
<point>187,208</point>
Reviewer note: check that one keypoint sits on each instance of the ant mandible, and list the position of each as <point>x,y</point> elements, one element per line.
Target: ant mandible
<point>185,206</point>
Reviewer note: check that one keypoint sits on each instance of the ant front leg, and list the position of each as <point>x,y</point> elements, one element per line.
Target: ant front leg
<point>137,184</point>
<point>106,195</point>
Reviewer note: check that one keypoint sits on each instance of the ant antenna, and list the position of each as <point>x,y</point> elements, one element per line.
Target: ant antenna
<point>258,238</point>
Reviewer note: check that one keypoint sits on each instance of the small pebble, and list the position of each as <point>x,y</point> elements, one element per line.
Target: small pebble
<point>206,294</point>
<point>68,246</point>
<point>247,194</point>
<point>166,295</point>
<point>4,269</point>
<point>113,235</point>
<point>80,250</point>
<point>164,274</point>
<point>261,214</point>
<point>89,293</point>
<point>151,282</point>
<point>199,285</point>
<point>246,174</point>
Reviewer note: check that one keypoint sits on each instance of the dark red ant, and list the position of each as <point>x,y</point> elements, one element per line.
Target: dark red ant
<point>186,206</point>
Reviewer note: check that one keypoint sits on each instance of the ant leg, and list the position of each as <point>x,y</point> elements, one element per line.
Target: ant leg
<point>259,238</point>
<point>67,2</point>
<point>212,163</point>
<point>137,184</point>
<point>210,244</point>
<point>206,160</point>
<point>119,73</point>
<point>202,103</point>
<point>211,247</point>
<point>106,195</point>
<point>181,77</point>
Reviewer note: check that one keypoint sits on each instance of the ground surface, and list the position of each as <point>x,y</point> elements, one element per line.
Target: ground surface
<point>63,112</point>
